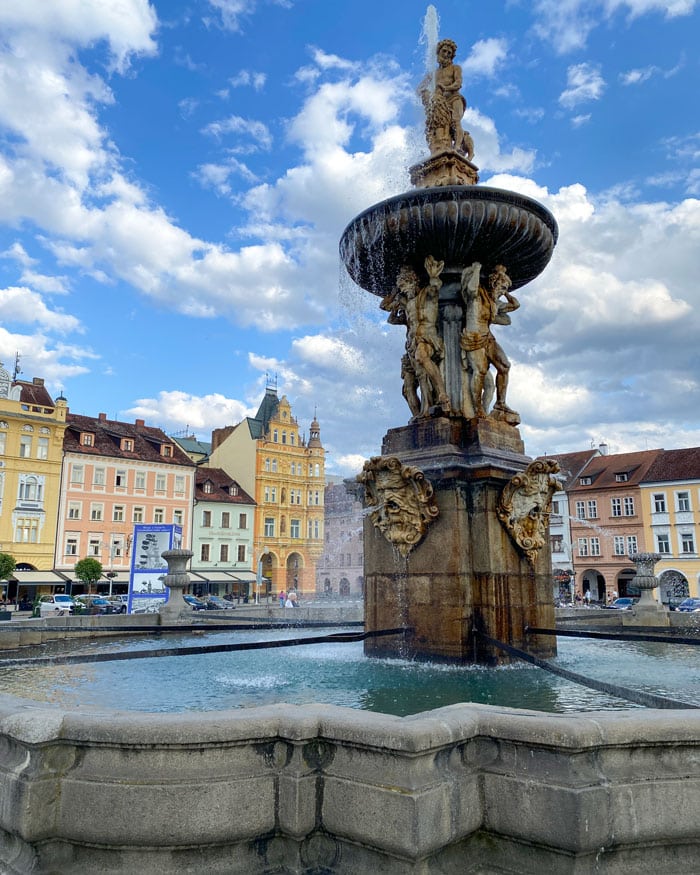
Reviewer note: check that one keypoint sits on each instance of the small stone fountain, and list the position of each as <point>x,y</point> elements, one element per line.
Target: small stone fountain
<point>647,611</point>
<point>456,535</point>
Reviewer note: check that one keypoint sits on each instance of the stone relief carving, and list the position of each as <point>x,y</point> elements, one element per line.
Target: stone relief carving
<point>525,505</point>
<point>416,307</point>
<point>485,306</point>
<point>400,500</point>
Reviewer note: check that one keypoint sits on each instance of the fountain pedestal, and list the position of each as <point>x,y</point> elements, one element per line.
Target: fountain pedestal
<point>466,579</point>
<point>647,611</point>
<point>176,580</point>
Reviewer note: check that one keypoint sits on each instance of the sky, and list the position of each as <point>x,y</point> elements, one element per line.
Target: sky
<point>175,177</point>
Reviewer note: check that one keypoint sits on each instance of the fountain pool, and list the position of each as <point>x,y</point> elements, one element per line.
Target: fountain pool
<point>340,674</point>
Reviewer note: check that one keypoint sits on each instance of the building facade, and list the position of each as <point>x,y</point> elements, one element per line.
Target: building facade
<point>222,534</point>
<point>116,475</point>
<point>670,501</point>
<point>340,570</point>
<point>607,524</point>
<point>32,426</point>
<point>285,473</point>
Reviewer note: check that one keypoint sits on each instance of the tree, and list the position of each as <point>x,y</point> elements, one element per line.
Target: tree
<point>88,570</point>
<point>7,566</point>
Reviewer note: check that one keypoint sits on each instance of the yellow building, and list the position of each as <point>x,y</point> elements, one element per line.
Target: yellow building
<point>671,513</point>
<point>285,473</point>
<point>31,450</point>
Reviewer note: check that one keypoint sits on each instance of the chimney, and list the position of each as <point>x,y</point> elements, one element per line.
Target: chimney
<point>140,423</point>
<point>102,417</point>
<point>38,381</point>
<point>603,449</point>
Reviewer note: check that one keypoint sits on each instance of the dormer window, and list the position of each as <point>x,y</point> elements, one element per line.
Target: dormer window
<point>233,490</point>
<point>585,481</point>
<point>166,450</point>
<point>87,439</point>
<point>208,487</point>
<point>127,445</point>
<point>622,477</point>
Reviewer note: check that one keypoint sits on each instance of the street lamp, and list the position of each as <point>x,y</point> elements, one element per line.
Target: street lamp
<point>258,577</point>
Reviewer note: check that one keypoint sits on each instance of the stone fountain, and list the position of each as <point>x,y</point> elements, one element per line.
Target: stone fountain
<point>456,535</point>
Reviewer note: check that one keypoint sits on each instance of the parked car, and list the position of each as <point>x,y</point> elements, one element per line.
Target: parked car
<point>94,604</point>
<point>121,602</point>
<point>56,605</point>
<point>689,606</point>
<point>622,604</point>
<point>195,603</point>
<point>216,603</point>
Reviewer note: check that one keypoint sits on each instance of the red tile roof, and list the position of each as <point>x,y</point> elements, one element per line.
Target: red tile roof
<point>675,465</point>
<point>224,487</point>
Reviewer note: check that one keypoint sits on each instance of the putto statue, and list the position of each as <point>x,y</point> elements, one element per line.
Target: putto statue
<point>399,499</point>
<point>444,104</point>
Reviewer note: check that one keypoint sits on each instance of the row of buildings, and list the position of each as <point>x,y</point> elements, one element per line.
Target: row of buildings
<point>255,508</point>
<point>250,504</point>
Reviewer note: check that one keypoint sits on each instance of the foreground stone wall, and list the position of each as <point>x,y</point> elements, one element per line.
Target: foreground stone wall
<point>322,789</point>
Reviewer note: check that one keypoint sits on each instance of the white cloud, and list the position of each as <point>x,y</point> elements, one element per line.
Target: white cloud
<point>257,131</point>
<point>22,305</point>
<point>173,409</point>
<point>486,57</point>
<point>249,77</point>
<point>584,82</point>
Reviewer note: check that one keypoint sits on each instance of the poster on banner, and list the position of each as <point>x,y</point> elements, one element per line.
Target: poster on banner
<point>147,589</point>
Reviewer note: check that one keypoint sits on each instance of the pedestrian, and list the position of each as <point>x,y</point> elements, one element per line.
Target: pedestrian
<point>292,596</point>
<point>283,598</point>
<point>587,598</point>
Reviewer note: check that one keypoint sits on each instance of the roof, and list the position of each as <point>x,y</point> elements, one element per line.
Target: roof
<point>267,410</point>
<point>224,487</point>
<point>34,393</point>
<point>679,465</point>
<point>108,434</point>
<point>571,464</point>
<point>192,445</point>
<point>604,471</point>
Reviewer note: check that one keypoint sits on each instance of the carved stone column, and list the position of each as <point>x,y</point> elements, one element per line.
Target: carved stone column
<point>451,329</point>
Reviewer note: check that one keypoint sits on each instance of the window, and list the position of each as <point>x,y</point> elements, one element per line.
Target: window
<point>140,480</point>
<point>118,513</point>
<point>274,466</point>
<point>158,515</point>
<point>616,507</point>
<point>583,546</point>
<point>120,479</point>
<point>204,553</point>
<point>687,542</point>
<point>179,484</point>
<point>42,450</point>
<point>208,487</point>
<point>167,450</point>
<point>77,474</point>
<point>275,436</point>
<point>266,494</point>
<point>206,518</point>
<point>592,510</point>
<point>628,504</point>
<point>295,528</point>
<point>87,439</point>
<point>663,543</point>
<point>161,482</point>
<point>74,508</point>
<point>291,438</point>
<point>585,481</point>
<point>267,464</point>
<point>98,477</point>
<point>317,470</point>
<point>659,502</point>
<point>556,508</point>
<point>631,544</point>
<point>118,547</point>
<point>96,512</point>
<point>241,552</point>
<point>314,529</point>
<point>581,510</point>
<point>317,497</point>
<point>619,545</point>
<point>223,553</point>
<point>242,520</point>
<point>622,477</point>
<point>225,519</point>
<point>26,530</point>
<point>137,515</point>
<point>595,546</point>
<point>25,446</point>
<point>71,546</point>
<point>94,547</point>
<point>683,500</point>
<point>31,488</point>
<point>556,543</point>
<point>178,517</point>
<point>127,445</point>
<point>269,527</point>
<point>3,441</point>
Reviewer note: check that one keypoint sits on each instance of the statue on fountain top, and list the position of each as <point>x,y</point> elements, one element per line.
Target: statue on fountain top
<point>451,147</point>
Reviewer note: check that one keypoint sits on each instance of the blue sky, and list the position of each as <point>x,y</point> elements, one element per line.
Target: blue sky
<point>175,176</point>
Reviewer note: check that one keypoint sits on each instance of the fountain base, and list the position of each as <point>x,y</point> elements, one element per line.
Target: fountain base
<point>445,168</point>
<point>466,578</point>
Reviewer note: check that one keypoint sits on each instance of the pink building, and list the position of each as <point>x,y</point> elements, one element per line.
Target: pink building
<point>116,475</point>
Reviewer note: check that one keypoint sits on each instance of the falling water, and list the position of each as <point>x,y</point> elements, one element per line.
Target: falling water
<point>429,37</point>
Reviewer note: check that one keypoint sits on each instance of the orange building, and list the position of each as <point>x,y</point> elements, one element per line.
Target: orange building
<point>285,473</point>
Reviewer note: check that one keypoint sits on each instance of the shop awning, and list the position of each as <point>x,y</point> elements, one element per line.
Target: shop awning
<point>244,576</point>
<point>40,578</point>
<point>216,576</point>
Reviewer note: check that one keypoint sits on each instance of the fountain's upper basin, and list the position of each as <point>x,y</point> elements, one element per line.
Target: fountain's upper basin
<point>457,224</point>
